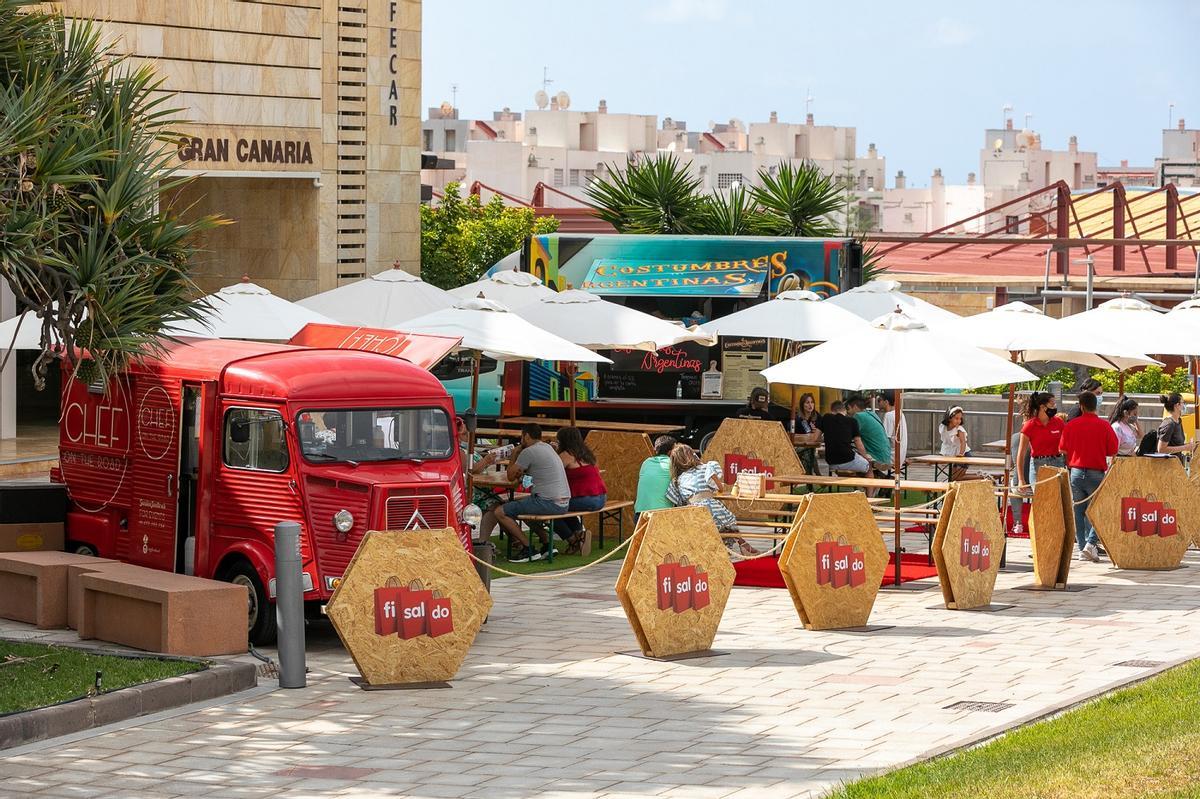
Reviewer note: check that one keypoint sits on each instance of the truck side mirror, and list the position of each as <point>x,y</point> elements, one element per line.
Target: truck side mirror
<point>239,432</point>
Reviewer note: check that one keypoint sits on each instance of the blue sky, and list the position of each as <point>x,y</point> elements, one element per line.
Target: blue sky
<point>920,79</point>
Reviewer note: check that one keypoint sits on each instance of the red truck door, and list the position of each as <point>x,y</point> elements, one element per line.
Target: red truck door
<point>155,455</point>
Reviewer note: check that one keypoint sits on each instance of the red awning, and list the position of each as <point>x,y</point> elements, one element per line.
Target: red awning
<point>418,349</point>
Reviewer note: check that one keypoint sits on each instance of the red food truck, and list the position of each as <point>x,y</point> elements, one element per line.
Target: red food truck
<point>188,460</point>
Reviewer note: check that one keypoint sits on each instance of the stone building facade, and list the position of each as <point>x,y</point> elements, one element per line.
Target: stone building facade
<point>302,126</point>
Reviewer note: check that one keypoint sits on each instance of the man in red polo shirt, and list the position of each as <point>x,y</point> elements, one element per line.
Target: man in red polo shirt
<point>1088,442</point>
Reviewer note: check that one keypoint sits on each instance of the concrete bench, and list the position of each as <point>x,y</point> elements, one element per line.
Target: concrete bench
<point>33,586</point>
<point>163,612</point>
<point>75,589</point>
<point>611,510</point>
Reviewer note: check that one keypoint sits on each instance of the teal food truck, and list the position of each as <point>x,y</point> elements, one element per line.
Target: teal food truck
<point>692,279</point>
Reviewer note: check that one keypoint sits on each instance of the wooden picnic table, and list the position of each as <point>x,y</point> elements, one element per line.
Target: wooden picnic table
<point>924,486</point>
<point>998,445</point>
<point>584,424</point>
<point>948,463</point>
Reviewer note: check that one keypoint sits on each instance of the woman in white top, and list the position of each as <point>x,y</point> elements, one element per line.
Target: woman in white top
<point>1126,425</point>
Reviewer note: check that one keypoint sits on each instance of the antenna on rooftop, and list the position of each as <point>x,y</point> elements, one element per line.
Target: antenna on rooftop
<point>808,101</point>
<point>1170,113</point>
<point>546,79</point>
<point>454,95</point>
<point>1005,112</point>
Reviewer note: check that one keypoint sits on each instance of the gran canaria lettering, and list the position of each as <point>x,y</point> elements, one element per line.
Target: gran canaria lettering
<point>246,151</point>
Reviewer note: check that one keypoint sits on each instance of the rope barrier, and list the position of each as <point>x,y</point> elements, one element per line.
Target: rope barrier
<point>555,574</point>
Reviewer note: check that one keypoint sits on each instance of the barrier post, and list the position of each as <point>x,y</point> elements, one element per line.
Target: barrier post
<point>289,605</point>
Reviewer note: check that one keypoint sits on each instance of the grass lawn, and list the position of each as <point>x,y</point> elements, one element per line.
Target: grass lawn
<point>55,674</point>
<point>561,560</point>
<point>1142,741</point>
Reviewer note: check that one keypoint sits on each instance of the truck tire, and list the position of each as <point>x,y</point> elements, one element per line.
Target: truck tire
<point>260,613</point>
<point>80,548</point>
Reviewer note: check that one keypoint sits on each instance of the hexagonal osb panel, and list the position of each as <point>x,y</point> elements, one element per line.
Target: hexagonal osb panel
<point>675,581</point>
<point>1145,513</point>
<point>757,440</point>
<point>409,606</point>
<point>968,544</point>
<point>1052,528</point>
<point>833,561</point>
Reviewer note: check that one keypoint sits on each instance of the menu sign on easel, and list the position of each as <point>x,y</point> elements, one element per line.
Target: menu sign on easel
<point>742,360</point>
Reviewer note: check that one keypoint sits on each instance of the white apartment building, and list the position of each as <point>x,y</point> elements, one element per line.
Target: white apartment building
<point>565,149</point>
<point>1180,161</point>
<point>920,210</point>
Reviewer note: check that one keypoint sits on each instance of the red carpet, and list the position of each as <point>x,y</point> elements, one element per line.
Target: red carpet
<point>764,572</point>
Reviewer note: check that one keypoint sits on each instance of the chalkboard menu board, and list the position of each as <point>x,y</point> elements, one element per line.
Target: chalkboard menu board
<point>654,375</point>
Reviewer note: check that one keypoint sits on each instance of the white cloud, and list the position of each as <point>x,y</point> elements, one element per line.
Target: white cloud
<point>952,33</point>
<point>680,11</point>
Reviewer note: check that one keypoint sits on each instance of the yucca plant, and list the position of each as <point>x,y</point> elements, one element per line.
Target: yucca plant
<point>88,241</point>
<point>798,200</point>
<point>734,213</point>
<point>656,195</point>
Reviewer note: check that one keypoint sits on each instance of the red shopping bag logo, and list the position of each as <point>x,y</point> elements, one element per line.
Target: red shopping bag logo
<point>964,550</point>
<point>1148,520</point>
<point>825,560</point>
<point>1168,524</point>
<point>387,607</point>
<point>685,583</point>
<point>700,597</point>
<point>858,568</point>
<point>985,550</point>
<point>414,610</point>
<point>842,552</point>
<point>734,464</point>
<point>682,586</point>
<point>1131,512</point>
<point>441,618</point>
<point>666,583</point>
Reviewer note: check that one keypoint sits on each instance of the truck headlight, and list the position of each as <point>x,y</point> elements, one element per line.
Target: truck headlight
<point>471,515</point>
<point>343,520</point>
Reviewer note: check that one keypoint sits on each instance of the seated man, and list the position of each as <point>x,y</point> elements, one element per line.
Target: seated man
<point>759,406</point>
<point>654,476</point>
<point>844,450</point>
<point>549,494</point>
<point>874,437</point>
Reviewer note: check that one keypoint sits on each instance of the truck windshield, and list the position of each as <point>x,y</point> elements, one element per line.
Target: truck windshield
<point>374,434</point>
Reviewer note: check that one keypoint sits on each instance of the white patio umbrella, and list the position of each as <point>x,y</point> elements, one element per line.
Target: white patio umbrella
<point>1187,315</point>
<point>795,315</point>
<point>589,321</point>
<point>509,288</point>
<point>248,311</point>
<point>877,297</point>
<point>1026,334</point>
<point>383,300</point>
<point>488,328</point>
<point>897,352</point>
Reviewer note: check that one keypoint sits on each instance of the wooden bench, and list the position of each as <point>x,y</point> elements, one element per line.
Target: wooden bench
<point>164,612</point>
<point>611,510</point>
<point>33,586</point>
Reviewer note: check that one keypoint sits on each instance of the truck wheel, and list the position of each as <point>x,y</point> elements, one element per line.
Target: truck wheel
<point>261,613</point>
<point>81,549</point>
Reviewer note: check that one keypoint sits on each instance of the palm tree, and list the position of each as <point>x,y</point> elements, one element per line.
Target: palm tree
<point>657,195</point>
<point>88,241</point>
<point>798,200</point>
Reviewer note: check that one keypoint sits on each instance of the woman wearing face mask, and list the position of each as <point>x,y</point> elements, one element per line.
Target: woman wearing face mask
<point>1171,439</point>
<point>1125,424</point>
<point>1040,435</point>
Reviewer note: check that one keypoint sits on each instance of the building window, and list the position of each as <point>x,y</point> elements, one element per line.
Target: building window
<point>870,183</point>
<point>726,180</point>
<point>908,216</point>
<point>1012,224</point>
<point>451,140</point>
<point>558,177</point>
<point>254,440</point>
<point>589,175</point>
<point>574,177</point>
<point>427,144</point>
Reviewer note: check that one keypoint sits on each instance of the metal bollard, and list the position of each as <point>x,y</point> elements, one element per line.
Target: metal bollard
<point>289,605</point>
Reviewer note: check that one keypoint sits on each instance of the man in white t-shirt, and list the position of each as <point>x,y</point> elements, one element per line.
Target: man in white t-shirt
<point>886,402</point>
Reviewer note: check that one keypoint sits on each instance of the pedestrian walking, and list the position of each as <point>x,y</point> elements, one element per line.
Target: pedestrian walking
<point>1088,442</point>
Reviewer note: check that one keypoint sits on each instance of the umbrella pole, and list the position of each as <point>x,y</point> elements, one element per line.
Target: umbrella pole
<point>570,375</point>
<point>1008,455</point>
<point>1121,383</point>
<point>896,493</point>
<point>793,427</point>
<point>1195,399</point>
<point>471,427</point>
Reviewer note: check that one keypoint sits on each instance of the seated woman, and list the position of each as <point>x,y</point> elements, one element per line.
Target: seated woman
<point>588,492</point>
<point>694,483</point>
<point>485,499</point>
<point>808,422</point>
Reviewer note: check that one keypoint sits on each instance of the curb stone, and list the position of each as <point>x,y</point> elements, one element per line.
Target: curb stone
<point>219,679</point>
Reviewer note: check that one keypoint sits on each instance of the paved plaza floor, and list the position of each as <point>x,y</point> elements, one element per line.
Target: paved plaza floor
<point>546,706</point>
